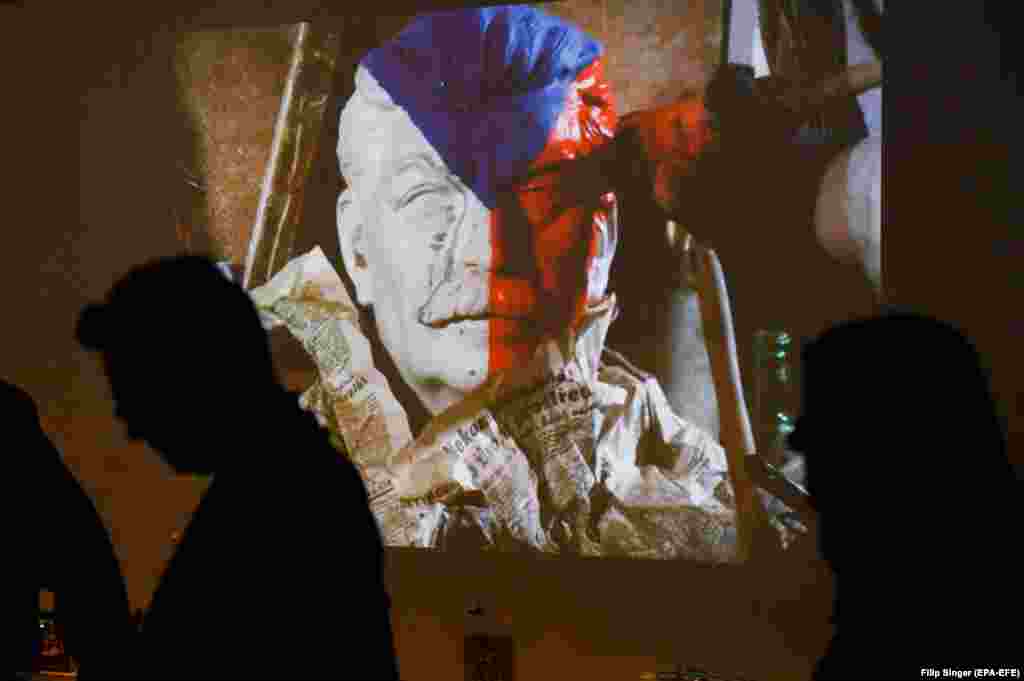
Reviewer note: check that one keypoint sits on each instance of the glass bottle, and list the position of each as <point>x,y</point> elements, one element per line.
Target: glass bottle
<point>776,394</point>
<point>51,655</point>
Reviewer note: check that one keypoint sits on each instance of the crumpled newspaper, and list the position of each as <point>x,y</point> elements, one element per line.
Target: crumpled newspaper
<point>351,397</point>
<point>575,453</point>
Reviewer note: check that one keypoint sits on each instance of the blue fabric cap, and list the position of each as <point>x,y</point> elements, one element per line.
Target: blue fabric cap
<point>485,86</point>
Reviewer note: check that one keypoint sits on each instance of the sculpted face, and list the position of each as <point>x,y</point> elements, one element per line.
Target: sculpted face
<point>459,290</point>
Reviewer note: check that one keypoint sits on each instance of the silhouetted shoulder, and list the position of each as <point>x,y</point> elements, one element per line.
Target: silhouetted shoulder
<point>19,408</point>
<point>336,478</point>
<point>30,451</point>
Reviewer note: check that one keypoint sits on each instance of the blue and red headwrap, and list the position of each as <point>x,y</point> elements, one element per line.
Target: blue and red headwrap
<point>485,86</point>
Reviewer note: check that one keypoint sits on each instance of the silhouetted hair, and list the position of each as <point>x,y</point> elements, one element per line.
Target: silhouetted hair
<point>181,314</point>
<point>900,405</point>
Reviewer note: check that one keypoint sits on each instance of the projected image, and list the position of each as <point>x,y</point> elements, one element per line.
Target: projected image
<point>455,333</point>
<point>486,271</point>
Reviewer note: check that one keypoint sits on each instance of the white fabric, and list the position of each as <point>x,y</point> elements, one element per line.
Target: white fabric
<point>864,204</point>
<point>859,52</point>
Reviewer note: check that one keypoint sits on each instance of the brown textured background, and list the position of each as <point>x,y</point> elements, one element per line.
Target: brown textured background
<point>657,50</point>
<point>95,83</point>
<point>231,83</point>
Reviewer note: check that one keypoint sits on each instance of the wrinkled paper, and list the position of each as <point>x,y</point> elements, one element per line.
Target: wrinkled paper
<point>351,397</point>
<point>577,452</point>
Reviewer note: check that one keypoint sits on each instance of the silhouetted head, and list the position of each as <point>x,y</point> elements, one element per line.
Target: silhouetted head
<point>188,361</point>
<point>905,453</point>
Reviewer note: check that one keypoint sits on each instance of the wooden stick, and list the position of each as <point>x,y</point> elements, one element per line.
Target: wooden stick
<point>737,436</point>
<point>293,150</point>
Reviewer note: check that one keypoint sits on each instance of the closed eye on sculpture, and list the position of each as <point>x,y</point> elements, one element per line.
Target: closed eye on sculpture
<point>420,191</point>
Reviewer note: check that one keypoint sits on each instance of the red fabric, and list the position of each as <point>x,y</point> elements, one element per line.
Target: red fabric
<point>672,138</point>
<point>563,231</point>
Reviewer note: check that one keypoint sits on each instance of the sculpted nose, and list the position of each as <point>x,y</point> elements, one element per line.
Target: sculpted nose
<point>474,243</point>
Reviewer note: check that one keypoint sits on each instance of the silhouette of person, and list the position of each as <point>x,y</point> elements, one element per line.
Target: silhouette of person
<point>282,556</point>
<point>59,544</point>
<point>907,466</point>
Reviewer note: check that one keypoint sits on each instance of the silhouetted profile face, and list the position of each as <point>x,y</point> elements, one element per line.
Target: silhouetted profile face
<point>901,437</point>
<point>464,277</point>
<point>171,427</point>
<point>187,360</point>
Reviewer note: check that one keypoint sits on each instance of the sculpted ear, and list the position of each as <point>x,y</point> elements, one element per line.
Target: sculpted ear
<point>352,238</point>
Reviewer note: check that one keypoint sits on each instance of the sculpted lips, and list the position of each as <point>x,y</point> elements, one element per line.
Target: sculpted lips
<point>468,298</point>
